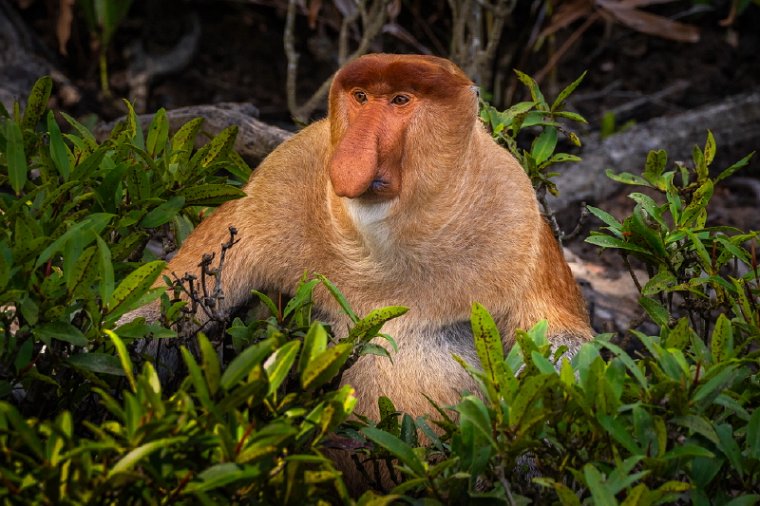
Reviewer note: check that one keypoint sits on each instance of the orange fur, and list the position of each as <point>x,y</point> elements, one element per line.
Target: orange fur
<point>400,203</point>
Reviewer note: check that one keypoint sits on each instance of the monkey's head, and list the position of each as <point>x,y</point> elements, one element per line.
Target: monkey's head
<point>391,117</point>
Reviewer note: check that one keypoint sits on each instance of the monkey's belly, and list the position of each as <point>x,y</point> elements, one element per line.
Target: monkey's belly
<point>422,367</point>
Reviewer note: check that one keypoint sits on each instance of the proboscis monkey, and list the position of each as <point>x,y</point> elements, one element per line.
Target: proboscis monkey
<point>400,197</point>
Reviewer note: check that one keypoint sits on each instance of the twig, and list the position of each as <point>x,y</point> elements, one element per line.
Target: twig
<point>208,301</point>
<point>372,24</point>
<point>549,214</point>
<point>579,225</point>
<point>572,39</point>
<point>632,272</point>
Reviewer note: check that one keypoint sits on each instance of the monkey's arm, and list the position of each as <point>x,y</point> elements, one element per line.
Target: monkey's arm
<point>270,222</point>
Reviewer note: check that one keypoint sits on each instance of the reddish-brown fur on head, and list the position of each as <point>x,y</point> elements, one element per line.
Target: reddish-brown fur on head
<point>380,117</point>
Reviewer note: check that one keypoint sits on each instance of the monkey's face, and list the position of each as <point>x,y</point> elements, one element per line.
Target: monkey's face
<point>383,110</point>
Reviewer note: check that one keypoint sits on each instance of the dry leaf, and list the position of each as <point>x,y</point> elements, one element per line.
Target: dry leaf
<point>63,24</point>
<point>651,24</point>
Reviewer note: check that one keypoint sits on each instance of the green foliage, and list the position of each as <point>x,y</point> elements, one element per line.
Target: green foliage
<point>75,216</point>
<point>252,432</point>
<point>601,428</point>
<point>83,421</point>
<point>696,271</point>
<point>538,113</point>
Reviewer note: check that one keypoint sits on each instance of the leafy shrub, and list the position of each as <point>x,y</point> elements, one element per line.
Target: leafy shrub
<point>250,433</point>
<point>75,216</point>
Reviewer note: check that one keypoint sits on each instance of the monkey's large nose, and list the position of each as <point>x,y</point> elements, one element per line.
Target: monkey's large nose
<point>353,166</point>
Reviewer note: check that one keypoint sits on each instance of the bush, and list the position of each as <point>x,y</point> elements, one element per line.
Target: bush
<point>82,420</point>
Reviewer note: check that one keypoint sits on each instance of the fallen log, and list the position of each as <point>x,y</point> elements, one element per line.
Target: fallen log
<point>255,139</point>
<point>735,123</point>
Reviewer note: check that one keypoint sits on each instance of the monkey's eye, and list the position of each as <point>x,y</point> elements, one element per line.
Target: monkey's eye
<point>360,96</point>
<point>400,100</point>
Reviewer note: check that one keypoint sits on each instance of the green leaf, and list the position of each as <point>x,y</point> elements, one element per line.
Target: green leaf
<point>569,89</point>
<point>535,92</point>
<point>409,431</point>
<point>123,354</point>
<point>37,102</point>
<point>325,366</point>
<point>388,416</point>
<point>709,390</point>
<point>627,178</point>
<point>184,140</point>
<point>15,156</point>
<point>699,248</point>
<point>709,151</point>
<point>86,229</point>
<point>131,459</point>
<point>489,348</point>
<point>302,299</point>
<point>82,130</point>
<point>692,214</point>
<point>566,496</point>
<point>744,500</point>
<point>733,168</point>
<point>134,286</point>
<point>376,349</point>
<point>753,435</point>
<point>688,450</point>
<point>211,367</point>
<point>220,145</point>
<point>601,495</point>
<point>659,282</point>
<point>243,363</point>
<point>371,324</point>
<point>650,206</point>
<point>605,217</point>
<point>472,411</point>
<point>220,475</point>
<point>83,274</point>
<point>97,362</point>
<point>158,133</point>
<point>572,116</point>
<point>314,343</point>
<point>134,130</point>
<point>722,339</point>
<point>197,378</point>
<point>655,310</point>
<point>210,194</point>
<point>239,168</point>
<point>279,364</point>
<point>544,145</point>
<point>729,447</point>
<point>62,331</point>
<point>651,236</point>
<point>163,213</point>
<point>620,432</point>
<point>59,153</point>
<point>105,268</point>
<point>654,167</point>
<point>397,447</point>
<point>339,297</point>
<point>606,241</point>
<point>23,430</point>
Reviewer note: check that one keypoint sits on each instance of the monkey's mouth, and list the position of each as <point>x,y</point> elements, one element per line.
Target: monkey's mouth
<point>379,190</point>
<point>378,185</point>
